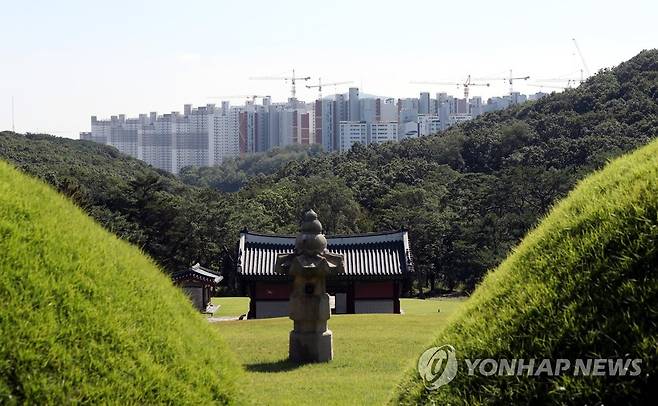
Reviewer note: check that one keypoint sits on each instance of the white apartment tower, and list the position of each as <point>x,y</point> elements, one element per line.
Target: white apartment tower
<point>224,131</point>
<point>352,132</point>
<point>383,131</point>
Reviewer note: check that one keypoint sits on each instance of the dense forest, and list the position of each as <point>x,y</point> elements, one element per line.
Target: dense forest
<point>466,195</point>
<point>234,173</point>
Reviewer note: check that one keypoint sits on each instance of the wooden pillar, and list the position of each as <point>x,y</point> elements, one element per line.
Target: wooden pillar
<point>396,297</point>
<point>252,301</point>
<point>350,298</point>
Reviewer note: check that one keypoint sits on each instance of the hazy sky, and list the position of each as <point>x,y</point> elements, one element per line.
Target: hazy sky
<point>64,61</point>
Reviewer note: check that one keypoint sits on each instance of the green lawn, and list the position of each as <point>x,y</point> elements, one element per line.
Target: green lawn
<point>231,306</point>
<point>371,353</point>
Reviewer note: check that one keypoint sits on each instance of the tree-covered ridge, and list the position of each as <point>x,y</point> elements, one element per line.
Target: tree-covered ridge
<point>234,173</point>
<point>467,195</point>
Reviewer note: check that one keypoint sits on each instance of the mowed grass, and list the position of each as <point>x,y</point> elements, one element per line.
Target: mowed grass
<point>371,352</point>
<point>231,306</point>
<point>88,318</point>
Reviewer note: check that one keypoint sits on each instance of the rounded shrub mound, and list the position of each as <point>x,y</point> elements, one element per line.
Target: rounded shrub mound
<point>582,285</point>
<point>86,317</point>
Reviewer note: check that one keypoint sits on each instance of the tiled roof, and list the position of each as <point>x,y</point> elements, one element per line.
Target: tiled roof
<point>376,255</point>
<point>199,273</point>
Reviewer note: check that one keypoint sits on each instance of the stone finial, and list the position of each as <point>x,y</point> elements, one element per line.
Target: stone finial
<point>311,224</point>
<point>310,241</point>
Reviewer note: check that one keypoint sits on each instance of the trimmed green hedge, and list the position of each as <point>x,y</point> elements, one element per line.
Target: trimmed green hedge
<point>86,317</point>
<point>583,284</point>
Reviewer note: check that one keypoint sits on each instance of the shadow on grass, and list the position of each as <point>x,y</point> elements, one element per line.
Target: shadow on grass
<point>276,366</point>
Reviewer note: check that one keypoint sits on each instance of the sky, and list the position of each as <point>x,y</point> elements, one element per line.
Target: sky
<point>64,61</point>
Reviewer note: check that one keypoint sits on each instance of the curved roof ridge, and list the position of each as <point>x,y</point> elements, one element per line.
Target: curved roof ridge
<point>372,233</point>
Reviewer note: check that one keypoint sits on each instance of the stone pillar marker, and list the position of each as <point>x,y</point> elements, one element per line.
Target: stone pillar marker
<point>309,265</point>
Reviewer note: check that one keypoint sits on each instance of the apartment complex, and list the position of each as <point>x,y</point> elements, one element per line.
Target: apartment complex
<point>207,135</point>
<point>204,136</point>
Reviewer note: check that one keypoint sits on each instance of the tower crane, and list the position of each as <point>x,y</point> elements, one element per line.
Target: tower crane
<point>253,97</point>
<point>582,59</point>
<point>541,86</point>
<point>466,85</point>
<point>510,79</point>
<point>320,84</point>
<point>293,80</point>
<point>570,82</point>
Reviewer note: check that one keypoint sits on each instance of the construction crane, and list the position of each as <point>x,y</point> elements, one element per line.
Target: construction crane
<point>569,81</point>
<point>253,97</point>
<point>548,86</point>
<point>293,80</point>
<point>582,59</point>
<point>466,85</point>
<point>510,79</point>
<point>320,84</point>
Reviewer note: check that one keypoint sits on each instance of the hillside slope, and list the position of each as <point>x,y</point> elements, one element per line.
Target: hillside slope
<point>87,317</point>
<point>176,224</point>
<point>583,284</point>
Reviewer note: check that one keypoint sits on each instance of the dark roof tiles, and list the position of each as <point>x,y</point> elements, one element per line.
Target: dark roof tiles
<point>384,255</point>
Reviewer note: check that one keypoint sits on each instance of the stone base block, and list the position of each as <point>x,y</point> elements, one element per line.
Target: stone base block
<point>311,347</point>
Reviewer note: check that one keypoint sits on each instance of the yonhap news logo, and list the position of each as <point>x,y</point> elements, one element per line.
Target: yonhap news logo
<point>438,366</point>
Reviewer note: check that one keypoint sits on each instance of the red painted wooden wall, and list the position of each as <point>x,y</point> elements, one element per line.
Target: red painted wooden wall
<point>374,290</point>
<point>265,290</point>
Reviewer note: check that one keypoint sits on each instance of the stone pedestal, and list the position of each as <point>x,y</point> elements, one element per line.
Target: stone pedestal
<point>310,341</point>
<point>311,347</point>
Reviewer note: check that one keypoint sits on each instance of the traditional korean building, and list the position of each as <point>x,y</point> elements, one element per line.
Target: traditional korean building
<point>197,282</point>
<point>378,267</point>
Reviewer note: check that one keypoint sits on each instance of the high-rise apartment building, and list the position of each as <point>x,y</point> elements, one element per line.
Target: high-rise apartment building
<point>224,134</point>
<point>190,146</point>
<point>408,114</point>
<point>352,132</point>
<point>383,131</point>
<point>325,124</point>
<point>428,124</point>
<point>424,103</point>
<point>354,105</point>
<point>388,110</point>
<point>368,110</point>
<point>154,142</point>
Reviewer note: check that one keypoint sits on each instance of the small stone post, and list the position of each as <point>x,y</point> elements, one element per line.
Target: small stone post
<point>309,265</point>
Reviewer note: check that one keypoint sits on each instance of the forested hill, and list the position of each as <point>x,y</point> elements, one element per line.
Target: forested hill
<point>467,195</point>
<point>175,223</point>
<point>234,173</point>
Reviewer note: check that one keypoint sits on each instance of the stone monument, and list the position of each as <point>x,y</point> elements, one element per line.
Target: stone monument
<point>309,265</point>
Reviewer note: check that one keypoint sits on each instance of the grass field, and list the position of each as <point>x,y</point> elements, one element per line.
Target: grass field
<point>371,352</point>
<point>230,306</point>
